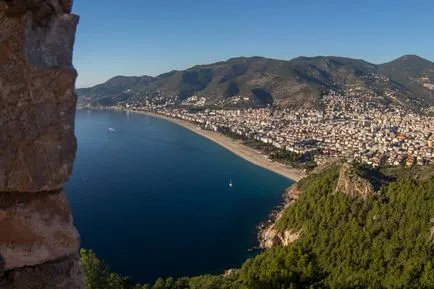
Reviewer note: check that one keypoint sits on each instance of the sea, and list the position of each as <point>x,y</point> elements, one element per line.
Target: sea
<point>152,199</point>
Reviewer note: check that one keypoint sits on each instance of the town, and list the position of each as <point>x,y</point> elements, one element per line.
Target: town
<point>358,129</point>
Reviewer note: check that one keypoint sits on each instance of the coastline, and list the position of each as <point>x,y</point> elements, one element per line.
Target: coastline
<point>267,235</point>
<point>236,147</point>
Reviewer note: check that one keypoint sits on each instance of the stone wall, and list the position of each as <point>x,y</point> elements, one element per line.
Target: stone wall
<point>38,241</point>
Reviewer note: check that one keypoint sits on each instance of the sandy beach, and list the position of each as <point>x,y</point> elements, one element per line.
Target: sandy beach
<point>236,147</point>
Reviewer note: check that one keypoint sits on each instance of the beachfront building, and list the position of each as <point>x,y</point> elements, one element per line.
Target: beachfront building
<point>348,127</point>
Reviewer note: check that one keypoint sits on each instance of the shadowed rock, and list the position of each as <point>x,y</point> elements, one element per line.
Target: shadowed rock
<point>63,274</point>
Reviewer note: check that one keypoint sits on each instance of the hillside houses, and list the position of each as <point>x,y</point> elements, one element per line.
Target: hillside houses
<point>347,126</point>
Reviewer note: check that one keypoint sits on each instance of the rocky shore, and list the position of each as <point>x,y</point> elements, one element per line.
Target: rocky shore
<point>268,235</point>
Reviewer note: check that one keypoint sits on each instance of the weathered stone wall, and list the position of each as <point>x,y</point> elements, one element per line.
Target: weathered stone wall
<point>38,241</point>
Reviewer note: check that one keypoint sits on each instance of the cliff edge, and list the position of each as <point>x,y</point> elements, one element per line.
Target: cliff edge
<point>269,236</point>
<point>352,184</point>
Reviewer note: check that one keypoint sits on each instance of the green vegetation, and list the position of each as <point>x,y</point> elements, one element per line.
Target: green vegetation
<point>291,159</point>
<point>289,267</point>
<point>98,276</point>
<point>194,81</point>
<point>232,89</point>
<point>383,241</point>
<point>295,83</point>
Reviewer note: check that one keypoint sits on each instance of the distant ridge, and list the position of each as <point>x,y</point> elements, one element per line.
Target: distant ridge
<point>260,81</point>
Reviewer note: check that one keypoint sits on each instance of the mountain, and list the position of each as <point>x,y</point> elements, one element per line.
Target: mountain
<point>415,74</point>
<point>112,91</point>
<point>258,81</point>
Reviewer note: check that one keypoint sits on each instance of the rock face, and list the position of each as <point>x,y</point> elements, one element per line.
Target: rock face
<point>38,241</point>
<point>37,143</point>
<point>269,236</point>
<point>351,184</point>
<point>35,228</point>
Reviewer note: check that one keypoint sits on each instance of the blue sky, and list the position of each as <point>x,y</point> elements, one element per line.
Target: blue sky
<point>138,37</point>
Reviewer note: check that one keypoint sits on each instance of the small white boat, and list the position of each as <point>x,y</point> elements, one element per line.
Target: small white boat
<point>230,183</point>
<point>111,129</point>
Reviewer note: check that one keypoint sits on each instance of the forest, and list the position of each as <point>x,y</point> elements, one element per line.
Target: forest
<point>382,241</point>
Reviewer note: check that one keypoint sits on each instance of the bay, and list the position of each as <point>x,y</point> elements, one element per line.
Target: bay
<point>152,198</point>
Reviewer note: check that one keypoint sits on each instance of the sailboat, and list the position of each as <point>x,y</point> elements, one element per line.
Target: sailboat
<point>230,183</point>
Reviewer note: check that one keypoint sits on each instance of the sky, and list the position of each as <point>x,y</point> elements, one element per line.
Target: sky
<point>143,37</point>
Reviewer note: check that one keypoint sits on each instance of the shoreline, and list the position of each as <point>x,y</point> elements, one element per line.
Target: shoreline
<point>236,147</point>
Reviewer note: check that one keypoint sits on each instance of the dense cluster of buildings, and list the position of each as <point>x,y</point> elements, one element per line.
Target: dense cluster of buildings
<point>347,126</point>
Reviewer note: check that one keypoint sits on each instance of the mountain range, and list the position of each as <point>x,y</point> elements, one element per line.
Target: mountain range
<point>257,82</point>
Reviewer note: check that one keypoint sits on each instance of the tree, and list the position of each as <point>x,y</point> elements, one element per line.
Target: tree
<point>95,271</point>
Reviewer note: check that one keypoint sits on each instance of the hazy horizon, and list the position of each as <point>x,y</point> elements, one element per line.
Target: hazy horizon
<point>150,38</point>
<point>184,68</point>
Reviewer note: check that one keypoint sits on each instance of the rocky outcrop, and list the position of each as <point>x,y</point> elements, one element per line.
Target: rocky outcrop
<point>269,236</point>
<point>353,185</point>
<point>231,272</point>
<point>272,237</point>
<point>38,242</point>
<point>63,274</point>
<point>35,229</point>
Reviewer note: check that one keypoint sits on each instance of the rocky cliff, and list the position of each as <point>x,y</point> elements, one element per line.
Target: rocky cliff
<point>38,241</point>
<point>352,184</point>
<point>269,236</point>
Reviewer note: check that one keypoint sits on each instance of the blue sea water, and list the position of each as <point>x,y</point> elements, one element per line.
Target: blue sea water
<point>152,198</point>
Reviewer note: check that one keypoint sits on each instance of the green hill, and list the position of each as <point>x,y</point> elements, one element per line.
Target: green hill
<point>260,81</point>
<point>349,237</point>
<point>112,91</point>
<point>415,75</point>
